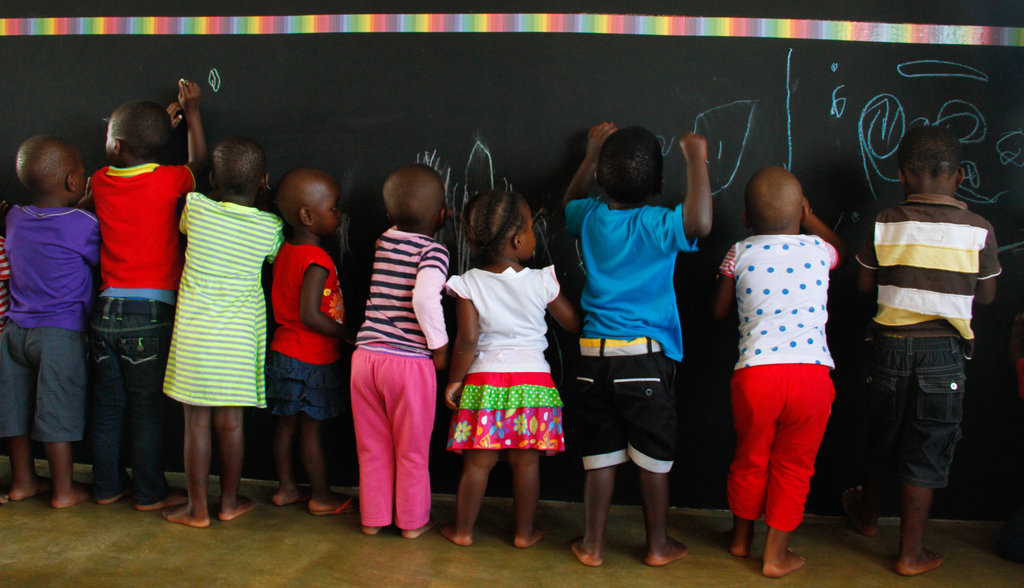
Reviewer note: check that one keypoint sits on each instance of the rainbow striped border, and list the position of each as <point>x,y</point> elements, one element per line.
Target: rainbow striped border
<point>602,24</point>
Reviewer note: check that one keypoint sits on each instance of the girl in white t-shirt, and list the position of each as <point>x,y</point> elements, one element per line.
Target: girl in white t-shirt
<point>499,384</point>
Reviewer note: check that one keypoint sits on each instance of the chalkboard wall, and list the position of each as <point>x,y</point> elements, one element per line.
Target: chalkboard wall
<point>512,110</point>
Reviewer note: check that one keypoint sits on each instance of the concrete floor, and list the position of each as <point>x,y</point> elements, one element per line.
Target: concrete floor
<point>91,545</point>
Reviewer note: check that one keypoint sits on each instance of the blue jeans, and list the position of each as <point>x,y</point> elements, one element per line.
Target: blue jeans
<point>915,402</point>
<point>130,340</point>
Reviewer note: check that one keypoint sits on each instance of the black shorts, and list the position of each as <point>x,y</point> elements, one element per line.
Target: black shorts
<point>915,401</point>
<point>628,407</point>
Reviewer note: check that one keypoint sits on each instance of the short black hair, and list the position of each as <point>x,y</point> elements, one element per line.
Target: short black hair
<point>490,218</point>
<point>630,165</point>
<point>43,162</point>
<point>142,127</point>
<point>239,165</point>
<point>930,151</point>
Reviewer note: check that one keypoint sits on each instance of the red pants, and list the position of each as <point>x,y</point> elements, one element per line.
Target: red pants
<point>780,412</point>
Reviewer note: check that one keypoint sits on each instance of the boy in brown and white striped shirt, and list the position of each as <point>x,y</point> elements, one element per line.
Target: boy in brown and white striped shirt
<point>930,259</point>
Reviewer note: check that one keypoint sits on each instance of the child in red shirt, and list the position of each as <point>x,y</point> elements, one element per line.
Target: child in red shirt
<point>304,377</point>
<point>137,202</point>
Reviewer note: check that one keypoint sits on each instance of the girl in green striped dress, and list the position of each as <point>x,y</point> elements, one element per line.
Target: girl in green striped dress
<point>215,367</point>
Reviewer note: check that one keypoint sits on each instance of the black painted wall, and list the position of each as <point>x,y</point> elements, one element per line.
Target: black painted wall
<point>516,108</point>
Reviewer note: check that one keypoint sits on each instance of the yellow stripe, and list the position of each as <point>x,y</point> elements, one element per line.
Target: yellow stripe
<point>129,172</point>
<point>898,317</point>
<point>592,342</point>
<point>930,257</point>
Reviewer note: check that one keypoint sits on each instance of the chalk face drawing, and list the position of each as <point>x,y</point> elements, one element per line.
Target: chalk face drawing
<point>214,80</point>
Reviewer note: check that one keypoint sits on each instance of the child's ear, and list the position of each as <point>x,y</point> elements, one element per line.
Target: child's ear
<point>71,182</point>
<point>266,182</point>
<point>746,223</point>
<point>213,180</point>
<point>305,216</point>
<point>960,175</point>
<point>903,178</point>
<point>517,241</point>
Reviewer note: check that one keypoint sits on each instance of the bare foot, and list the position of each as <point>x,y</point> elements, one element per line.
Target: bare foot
<point>3,498</point>
<point>34,488</point>
<point>113,499</point>
<point>242,505</point>
<point>286,496</point>
<point>788,564</point>
<point>79,493</point>
<point>371,530</point>
<point>587,557</point>
<point>183,515</point>
<point>448,532</point>
<point>414,533</point>
<point>924,561</point>
<point>740,540</point>
<point>672,551</point>
<point>336,504</point>
<point>524,541</point>
<point>174,497</point>
<point>853,503</point>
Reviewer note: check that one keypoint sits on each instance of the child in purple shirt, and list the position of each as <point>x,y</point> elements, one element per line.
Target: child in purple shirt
<point>52,250</point>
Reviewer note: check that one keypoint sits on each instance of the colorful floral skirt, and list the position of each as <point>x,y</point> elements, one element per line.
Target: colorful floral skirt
<point>508,411</point>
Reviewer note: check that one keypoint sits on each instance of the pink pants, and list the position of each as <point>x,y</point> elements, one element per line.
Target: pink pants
<point>780,412</point>
<point>393,403</point>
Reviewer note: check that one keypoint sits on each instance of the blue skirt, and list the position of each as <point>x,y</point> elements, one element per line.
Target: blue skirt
<point>294,386</point>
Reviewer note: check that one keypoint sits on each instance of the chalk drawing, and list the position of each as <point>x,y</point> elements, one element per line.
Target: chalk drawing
<point>666,146</point>
<point>879,130</point>
<point>726,129</point>
<point>934,68</point>
<point>214,80</point>
<point>838,103</point>
<point>789,114</point>
<point>1010,148</point>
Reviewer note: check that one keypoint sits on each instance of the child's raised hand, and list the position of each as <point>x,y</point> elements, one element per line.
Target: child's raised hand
<point>188,96</point>
<point>452,395</point>
<point>596,138</point>
<point>694,147</point>
<point>174,111</point>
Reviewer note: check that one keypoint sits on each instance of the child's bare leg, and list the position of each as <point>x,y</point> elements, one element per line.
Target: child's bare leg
<point>66,492</point>
<point>863,504</point>
<point>661,549</point>
<point>323,500</point>
<point>288,491</point>
<point>25,483</point>
<point>742,536</point>
<point>914,558</point>
<point>597,499</point>
<point>228,421</point>
<point>476,469</point>
<point>779,559</point>
<point>525,493</point>
<point>195,512</point>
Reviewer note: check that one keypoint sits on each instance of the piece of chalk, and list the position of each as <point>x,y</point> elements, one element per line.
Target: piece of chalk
<point>182,81</point>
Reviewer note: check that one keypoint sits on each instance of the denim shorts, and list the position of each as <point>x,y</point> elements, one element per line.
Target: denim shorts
<point>43,383</point>
<point>915,396</point>
<point>295,386</point>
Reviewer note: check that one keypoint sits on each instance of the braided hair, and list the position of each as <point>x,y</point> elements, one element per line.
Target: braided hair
<point>490,219</point>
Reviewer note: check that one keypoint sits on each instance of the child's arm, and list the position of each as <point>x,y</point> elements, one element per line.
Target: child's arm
<point>188,100</point>
<point>564,313</point>
<point>426,305</point>
<point>697,213</point>
<point>309,305</point>
<point>724,297</point>
<point>985,291</point>
<point>816,227</point>
<point>465,350</point>
<point>579,187</point>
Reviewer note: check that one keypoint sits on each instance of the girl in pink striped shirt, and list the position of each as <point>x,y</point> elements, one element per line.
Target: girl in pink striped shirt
<point>400,345</point>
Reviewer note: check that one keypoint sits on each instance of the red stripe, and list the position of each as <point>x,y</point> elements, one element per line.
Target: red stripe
<point>507,380</point>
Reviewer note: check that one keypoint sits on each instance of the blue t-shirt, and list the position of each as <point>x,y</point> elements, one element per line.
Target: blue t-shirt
<point>630,256</point>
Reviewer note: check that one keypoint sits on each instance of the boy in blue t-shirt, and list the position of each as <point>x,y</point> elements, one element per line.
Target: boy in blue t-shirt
<point>631,333</point>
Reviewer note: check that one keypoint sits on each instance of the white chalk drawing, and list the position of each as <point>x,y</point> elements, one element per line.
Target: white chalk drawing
<point>214,80</point>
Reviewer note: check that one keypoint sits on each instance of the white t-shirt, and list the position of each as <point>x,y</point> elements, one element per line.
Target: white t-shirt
<point>781,293</point>
<point>511,307</point>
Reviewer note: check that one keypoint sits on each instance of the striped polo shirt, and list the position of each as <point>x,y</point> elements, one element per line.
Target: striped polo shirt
<point>390,319</point>
<point>930,252</point>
